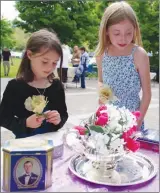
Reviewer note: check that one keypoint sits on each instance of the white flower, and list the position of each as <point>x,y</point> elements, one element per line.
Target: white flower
<point>91,143</point>
<point>118,128</point>
<point>98,141</point>
<point>128,118</point>
<point>36,104</point>
<point>106,95</point>
<point>113,112</point>
<point>107,139</point>
<point>112,125</point>
<point>117,145</point>
<point>27,104</point>
<point>39,109</point>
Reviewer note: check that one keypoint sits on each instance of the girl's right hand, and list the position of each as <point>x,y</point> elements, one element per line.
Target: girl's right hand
<point>100,84</point>
<point>34,122</point>
<point>99,102</point>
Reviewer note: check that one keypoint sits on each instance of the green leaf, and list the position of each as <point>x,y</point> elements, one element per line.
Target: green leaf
<point>86,131</point>
<point>98,129</point>
<point>41,115</point>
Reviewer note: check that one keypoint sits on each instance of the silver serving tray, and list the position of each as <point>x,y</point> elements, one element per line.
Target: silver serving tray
<point>131,170</point>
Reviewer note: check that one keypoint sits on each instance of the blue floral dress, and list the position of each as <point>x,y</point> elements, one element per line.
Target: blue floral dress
<point>120,74</point>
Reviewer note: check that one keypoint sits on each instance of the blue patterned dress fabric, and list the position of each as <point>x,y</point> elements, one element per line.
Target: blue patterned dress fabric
<point>120,74</point>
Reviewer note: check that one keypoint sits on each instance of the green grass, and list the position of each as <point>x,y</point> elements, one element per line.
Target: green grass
<point>13,69</point>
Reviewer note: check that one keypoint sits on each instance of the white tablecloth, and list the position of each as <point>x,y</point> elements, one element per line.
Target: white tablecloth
<point>70,73</point>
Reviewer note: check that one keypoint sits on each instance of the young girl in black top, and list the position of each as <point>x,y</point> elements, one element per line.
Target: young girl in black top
<point>35,77</point>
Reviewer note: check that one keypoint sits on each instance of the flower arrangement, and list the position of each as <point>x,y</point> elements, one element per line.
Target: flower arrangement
<point>36,104</point>
<point>113,129</point>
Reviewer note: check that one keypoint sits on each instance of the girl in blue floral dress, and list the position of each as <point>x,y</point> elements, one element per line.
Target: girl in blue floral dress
<point>122,63</point>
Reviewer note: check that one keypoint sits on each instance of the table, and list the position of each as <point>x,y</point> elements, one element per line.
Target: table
<point>70,73</point>
<point>65,181</point>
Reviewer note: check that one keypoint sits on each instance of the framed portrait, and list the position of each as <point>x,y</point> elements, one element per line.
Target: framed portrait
<point>28,172</point>
<point>27,169</point>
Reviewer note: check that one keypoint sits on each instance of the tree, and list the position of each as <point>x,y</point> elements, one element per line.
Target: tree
<point>147,12</point>
<point>148,15</point>
<point>6,34</point>
<point>75,21</point>
<point>20,38</point>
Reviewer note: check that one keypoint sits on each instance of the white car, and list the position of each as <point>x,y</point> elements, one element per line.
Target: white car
<point>92,61</point>
<point>16,54</point>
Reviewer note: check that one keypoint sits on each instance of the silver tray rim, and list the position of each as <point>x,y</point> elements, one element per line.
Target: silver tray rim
<point>154,173</point>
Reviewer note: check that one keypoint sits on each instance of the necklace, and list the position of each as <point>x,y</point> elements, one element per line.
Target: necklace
<point>40,92</point>
<point>46,86</point>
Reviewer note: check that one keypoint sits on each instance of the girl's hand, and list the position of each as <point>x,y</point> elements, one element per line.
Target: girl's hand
<point>34,122</point>
<point>100,84</point>
<point>139,123</point>
<point>99,102</point>
<point>53,117</point>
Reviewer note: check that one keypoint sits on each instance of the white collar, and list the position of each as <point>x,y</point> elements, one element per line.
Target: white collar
<point>27,174</point>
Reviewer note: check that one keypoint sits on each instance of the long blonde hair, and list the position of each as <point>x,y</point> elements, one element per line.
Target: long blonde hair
<point>115,13</point>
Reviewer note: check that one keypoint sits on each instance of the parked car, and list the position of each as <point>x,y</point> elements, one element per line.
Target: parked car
<point>92,59</point>
<point>16,54</point>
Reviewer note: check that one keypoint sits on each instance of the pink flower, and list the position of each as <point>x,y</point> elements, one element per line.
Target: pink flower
<point>102,107</point>
<point>105,114</point>
<point>136,114</point>
<point>134,128</point>
<point>132,145</point>
<point>128,133</point>
<point>102,120</point>
<point>82,130</point>
<point>125,136</point>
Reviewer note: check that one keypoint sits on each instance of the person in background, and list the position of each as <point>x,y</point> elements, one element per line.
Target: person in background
<point>76,60</point>
<point>6,56</point>
<point>76,56</point>
<point>84,61</point>
<point>65,64</point>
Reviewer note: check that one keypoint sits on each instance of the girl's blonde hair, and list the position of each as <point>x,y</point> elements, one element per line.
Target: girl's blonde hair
<point>115,13</point>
